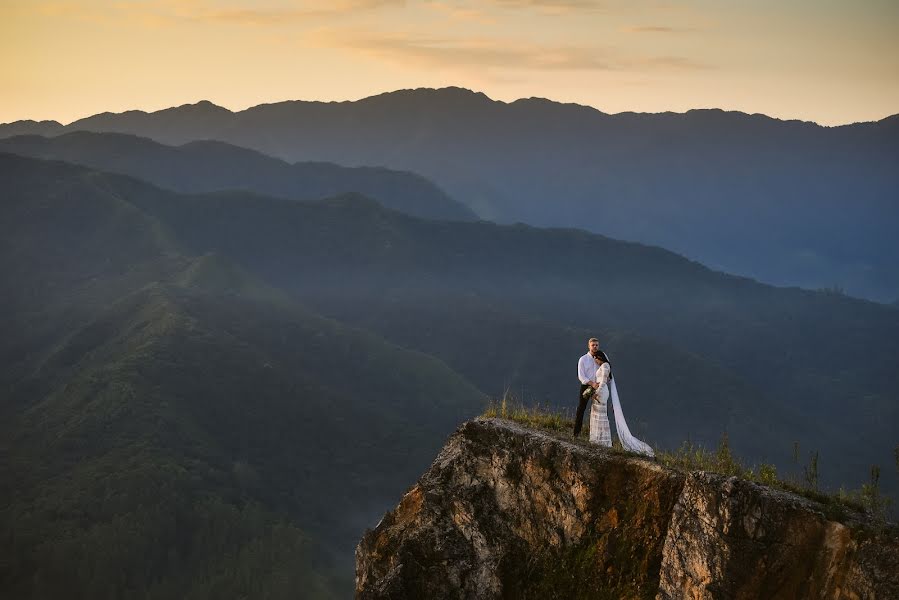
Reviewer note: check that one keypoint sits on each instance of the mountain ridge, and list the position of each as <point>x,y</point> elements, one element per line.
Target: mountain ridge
<point>211,165</point>
<point>457,90</point>
<point>183,396</point>
<point>746,194</point>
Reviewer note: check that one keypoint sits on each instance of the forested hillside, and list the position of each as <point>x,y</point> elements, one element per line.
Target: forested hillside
<point>173,427</point>
<point>200,381</point>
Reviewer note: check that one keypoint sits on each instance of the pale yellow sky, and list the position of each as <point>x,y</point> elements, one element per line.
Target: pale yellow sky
<point>828,61</point>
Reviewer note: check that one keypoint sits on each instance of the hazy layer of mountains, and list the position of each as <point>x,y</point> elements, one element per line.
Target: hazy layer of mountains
<point>281,370</point>
<point>205,166</point>
<point>218,367</point>
<point>787,202</point>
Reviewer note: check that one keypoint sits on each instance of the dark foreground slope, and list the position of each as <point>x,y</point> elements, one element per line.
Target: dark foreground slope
<point>171,427</point>
<point>507,512</point>
<point>206,166</point>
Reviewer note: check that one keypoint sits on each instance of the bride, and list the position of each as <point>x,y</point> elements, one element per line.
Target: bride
<point>600,432</point>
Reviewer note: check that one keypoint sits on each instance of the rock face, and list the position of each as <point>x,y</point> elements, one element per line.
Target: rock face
<point>509,512</point>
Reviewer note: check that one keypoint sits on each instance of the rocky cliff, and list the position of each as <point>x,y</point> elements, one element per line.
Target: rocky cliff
<point>509,512</point>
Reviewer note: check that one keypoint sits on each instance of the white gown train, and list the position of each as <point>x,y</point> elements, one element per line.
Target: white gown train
<point>600,432</point>
<point>628,441</point>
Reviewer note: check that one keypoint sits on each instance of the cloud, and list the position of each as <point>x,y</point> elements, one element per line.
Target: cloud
<point>421,51</point>
<point>159,12</point>
<point>554,6</point>
<point>418,50</point>
<point>659,29</point>
<point>253,15</point>
<point>460,13</point>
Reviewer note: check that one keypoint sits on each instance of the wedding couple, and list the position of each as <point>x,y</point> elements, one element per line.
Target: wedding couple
<point>597,384</point>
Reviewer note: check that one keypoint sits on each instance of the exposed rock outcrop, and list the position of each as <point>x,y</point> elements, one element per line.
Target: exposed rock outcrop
<point>509,512</point>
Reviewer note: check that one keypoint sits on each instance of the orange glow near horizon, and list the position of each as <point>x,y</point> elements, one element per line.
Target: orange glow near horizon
<point>824,61</point>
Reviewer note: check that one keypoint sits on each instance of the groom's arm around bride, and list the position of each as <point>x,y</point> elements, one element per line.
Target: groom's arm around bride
<point>586,374</point>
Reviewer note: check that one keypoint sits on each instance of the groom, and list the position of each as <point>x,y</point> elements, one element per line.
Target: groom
<point>586,373</point>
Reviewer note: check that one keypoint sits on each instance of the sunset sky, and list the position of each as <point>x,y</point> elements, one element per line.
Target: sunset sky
<point>828,61</point>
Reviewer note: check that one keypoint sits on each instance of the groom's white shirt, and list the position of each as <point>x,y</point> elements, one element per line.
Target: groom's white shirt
<point>586,369</point>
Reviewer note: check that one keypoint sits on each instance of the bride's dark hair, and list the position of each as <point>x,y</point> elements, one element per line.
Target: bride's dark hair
<point>601,355</point>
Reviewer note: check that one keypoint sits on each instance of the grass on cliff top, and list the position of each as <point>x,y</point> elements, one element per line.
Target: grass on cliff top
<point>693,457</point>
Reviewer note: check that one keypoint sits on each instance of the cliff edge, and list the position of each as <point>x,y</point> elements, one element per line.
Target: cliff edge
<point>511,512</point>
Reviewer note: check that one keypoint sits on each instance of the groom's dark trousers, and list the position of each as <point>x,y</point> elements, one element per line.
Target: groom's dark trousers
<point>581,407</point>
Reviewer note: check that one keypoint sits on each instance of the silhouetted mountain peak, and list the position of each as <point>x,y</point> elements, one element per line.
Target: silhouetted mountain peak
<point>718,117</point>
<point>201,107</point>
<point>29,126</point>
<point>430,98</point>
<point>183,117</point>
<point>891,122</point>
<point>712,119</point>
<point>33,123</point>
<point>450,92</point>
<point>107,116</point>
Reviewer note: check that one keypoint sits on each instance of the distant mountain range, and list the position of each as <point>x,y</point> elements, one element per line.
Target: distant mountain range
<point>212,394</point>
<point>205,166</point>
<point>786,202</point>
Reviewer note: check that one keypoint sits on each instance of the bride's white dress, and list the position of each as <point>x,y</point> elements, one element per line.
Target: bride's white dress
<point>599,420</point>
<point>600,433</point>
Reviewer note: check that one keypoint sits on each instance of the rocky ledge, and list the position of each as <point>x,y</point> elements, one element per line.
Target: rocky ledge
<point>510,512</point>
